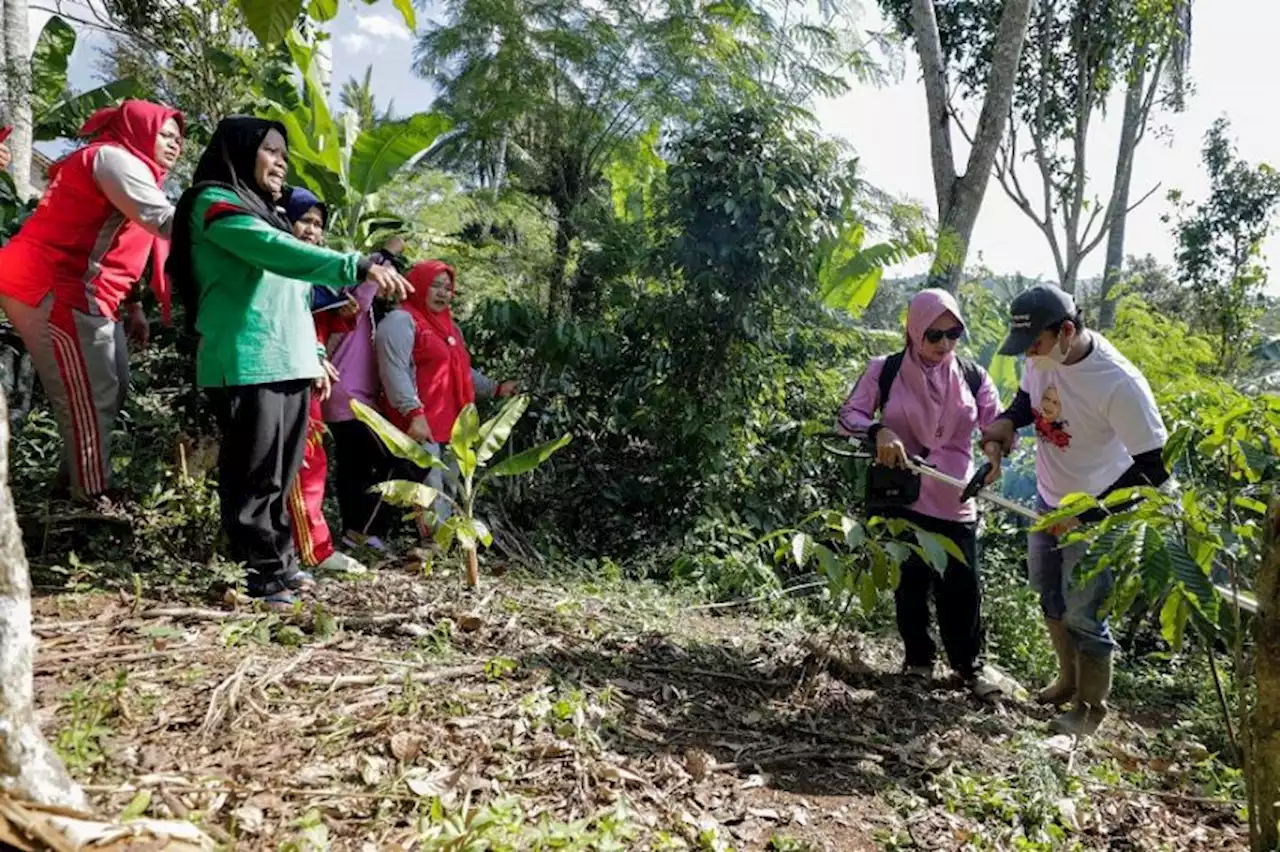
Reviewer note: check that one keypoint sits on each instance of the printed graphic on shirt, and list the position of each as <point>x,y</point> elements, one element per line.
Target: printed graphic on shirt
<point>1050,425</point>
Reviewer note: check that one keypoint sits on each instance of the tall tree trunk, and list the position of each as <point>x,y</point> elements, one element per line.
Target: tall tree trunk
<point>17,52</point>
<point>1130,131</point>
<point>959,197</point>
<point>4,78</point>
<point>29,768</point>
<point>1263,747</point>
<point>1071,274</point>
<point>500,164</point>
<point>558,292</point>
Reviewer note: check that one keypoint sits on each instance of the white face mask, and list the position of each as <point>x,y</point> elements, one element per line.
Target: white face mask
<point>1055,357</point>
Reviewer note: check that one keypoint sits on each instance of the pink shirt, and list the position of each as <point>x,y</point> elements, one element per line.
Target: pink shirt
<point>352,354</point>
<point>954,457</point>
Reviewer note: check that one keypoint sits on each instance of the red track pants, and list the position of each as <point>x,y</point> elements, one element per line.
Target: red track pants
<point>306,496</point>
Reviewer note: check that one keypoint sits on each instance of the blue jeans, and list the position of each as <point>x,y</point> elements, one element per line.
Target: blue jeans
<point>1051,574</point>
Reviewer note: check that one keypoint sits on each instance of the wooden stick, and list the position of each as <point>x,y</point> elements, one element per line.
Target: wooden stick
<point>340,681</point>
<point>196,613</point>
<point>782,593</point>
<point>358,658</point>
<point>754,681</point>
<point>355,621</point>
<point>127,658</point>
<point>739,733</point>
<point>1176,797</point>
<point>777,760</point>
<point>473,568</point>
<point>60,626</point>
<point>181,811</point>
<point>93,652</point>
<point>233,789</point>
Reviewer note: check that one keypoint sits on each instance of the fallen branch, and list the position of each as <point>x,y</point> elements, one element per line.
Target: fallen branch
<point>93,652</point>
<point>64,626</point>
<point>781,759</point>
<point>354,621</point>
<point>232,789</point>
<point>740,734</point>
<point>341,681</point>
<point>195,613</point>
<point>761,597</point>
<point>181,811</point>
<point>1171,796</point>
<point>50,668</point>
<point>224,699</point>
<point>381,661</point>
<point>753,681</point>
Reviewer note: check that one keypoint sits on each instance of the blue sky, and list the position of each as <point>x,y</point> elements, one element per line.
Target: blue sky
<point>1232,68</point>
<point>376,36</point>
<point>362,36</point>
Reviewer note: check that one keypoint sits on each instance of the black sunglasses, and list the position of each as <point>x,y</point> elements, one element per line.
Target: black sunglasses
<point>935,335</point>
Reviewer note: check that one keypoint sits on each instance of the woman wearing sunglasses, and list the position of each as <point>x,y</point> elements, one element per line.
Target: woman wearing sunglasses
<point>931,403</point>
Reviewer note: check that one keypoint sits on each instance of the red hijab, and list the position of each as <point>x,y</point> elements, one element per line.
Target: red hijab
<point>134,126</point>
<point>454,370</point>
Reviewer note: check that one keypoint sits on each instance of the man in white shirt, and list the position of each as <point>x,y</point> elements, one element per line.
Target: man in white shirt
<point>1097,430</point>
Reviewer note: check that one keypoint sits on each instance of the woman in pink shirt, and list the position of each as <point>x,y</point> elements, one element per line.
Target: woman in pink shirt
<point>361,458</point>
<point>935,405</point>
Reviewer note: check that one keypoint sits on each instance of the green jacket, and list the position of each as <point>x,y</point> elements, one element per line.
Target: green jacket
<point>255,283</point>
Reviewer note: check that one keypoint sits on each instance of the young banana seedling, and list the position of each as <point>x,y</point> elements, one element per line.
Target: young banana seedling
<point>452,493</point>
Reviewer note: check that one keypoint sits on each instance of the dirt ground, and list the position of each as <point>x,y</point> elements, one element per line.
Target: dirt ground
<point>401,713</point>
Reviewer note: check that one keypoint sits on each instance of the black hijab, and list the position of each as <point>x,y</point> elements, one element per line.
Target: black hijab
<point>228,162</point>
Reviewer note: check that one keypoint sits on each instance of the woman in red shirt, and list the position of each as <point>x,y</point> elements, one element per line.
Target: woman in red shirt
<point>67,273</point>
<point>426,372</point>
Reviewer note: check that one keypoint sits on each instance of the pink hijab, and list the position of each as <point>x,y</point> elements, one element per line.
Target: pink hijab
<point>937,402</point>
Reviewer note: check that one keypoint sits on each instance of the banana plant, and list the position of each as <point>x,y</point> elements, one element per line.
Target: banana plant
<point>13,209</point>
<point>473,446</point>
<point>56,112</point>
<point>345,164</point>
<point>850,270</point>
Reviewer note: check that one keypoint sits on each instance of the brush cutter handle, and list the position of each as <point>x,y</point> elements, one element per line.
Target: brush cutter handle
<point>976,483</point>
<point>973,488</point>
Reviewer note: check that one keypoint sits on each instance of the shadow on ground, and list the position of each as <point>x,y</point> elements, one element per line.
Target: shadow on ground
<point>779,711</point>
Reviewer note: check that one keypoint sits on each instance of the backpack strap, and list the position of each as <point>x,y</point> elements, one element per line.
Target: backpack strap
<point>888,373</point>
<point>973,375</point>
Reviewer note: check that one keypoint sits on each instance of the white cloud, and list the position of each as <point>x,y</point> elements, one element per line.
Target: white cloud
<point>381,27</point>
<point>354,42</point>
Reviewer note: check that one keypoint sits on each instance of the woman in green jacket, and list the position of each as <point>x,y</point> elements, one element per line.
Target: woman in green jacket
<point>246,287</point>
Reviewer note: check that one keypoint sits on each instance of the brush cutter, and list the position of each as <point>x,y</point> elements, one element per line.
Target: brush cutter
<point>976,487</point>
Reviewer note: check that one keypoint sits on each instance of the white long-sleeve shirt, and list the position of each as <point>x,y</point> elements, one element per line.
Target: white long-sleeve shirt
<point>130,186</point>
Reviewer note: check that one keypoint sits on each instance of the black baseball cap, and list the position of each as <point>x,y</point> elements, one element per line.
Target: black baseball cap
<point>1031,312</point>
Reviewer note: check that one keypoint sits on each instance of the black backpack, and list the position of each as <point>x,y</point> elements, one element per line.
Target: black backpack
<point>973,375</point>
